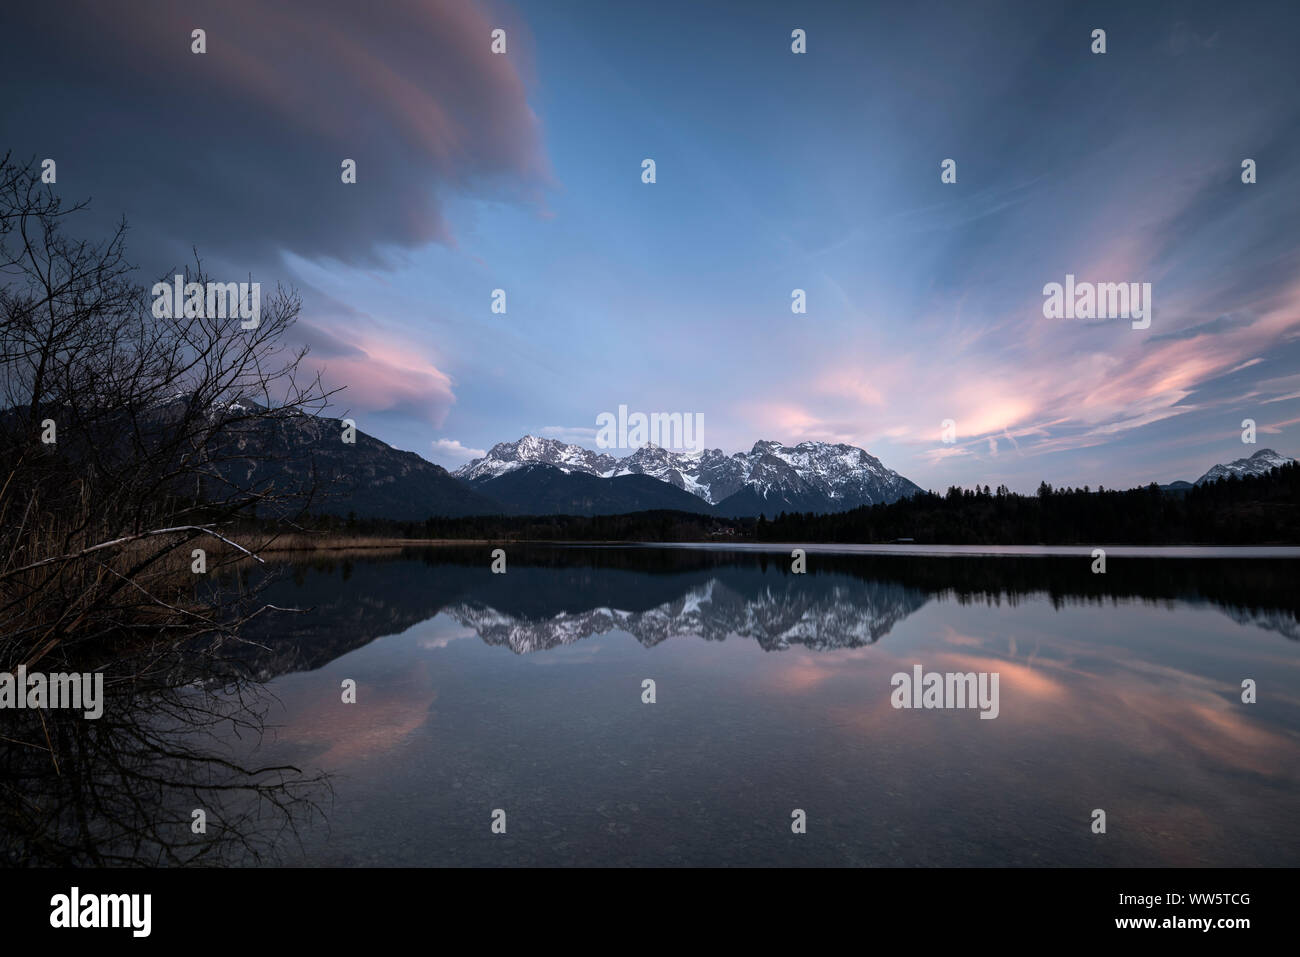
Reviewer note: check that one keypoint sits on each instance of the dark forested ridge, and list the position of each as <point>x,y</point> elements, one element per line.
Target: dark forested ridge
<point>1261,509</point>
<point>1255,510</point>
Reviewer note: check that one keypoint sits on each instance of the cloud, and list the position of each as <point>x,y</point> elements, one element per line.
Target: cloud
<point>1213,327</point>
<point>568,433</point>
<point>450,451</point>
<point>935,456</point>
<point>388,378</point>
<point>323,343</point>
<point>239,149</point>
<point>1276,428</point>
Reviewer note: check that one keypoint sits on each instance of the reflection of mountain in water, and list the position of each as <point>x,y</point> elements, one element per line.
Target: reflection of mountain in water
<point>555,596</point>
<point>828,615</point>
<point>1270,619</point>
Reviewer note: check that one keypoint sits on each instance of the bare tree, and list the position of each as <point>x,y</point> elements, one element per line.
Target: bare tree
<point>122,432</point>
<point>128,437</point>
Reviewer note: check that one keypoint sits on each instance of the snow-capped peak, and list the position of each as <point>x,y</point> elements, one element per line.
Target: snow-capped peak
<point>1262,462</point>
<point>812,475</point>
<point>534,450</point>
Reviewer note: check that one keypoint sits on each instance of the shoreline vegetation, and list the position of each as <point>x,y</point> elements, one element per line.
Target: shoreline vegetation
<point>129,451</point>
<point>1259,510</point>
<point>385,543</point>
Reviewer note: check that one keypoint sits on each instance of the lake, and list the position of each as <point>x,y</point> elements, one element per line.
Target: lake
<point>523,693</point>
<point>666,706</point>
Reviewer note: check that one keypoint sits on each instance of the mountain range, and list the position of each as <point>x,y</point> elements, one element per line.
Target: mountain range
<point>368,478</point>
<point>770,478</point>
<point>1262,462</point>
<point>542,476</point>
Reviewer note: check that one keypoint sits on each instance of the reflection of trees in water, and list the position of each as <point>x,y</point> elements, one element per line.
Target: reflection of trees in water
<point>132,445</point>
<point>553,594</point>
<point>120,790</point>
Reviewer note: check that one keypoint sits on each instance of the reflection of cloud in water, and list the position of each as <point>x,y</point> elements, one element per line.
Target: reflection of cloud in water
<point>443,632</point>
<point>389,708</point>
<point>1135,736</point>
<point>1153,709</point>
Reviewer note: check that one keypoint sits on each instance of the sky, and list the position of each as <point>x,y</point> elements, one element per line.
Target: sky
<point>775,171</point>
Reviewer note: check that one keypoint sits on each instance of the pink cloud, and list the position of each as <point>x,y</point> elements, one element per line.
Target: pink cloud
<point>385,377</point>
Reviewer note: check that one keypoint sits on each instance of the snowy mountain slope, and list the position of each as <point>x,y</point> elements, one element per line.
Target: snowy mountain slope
<point>771,477</point>
<point>1262,462</point>
<point>531,450</point>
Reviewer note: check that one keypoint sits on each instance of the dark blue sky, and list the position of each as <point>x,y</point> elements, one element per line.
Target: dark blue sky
<point>775,171</point>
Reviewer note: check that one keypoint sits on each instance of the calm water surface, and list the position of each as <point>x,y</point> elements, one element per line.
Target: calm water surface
<point>523,692</point>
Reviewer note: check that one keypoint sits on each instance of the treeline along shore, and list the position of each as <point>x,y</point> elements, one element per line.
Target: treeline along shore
<point>1255,510</point>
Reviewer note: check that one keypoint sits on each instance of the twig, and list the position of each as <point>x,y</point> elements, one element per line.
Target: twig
<point>131,538</point>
